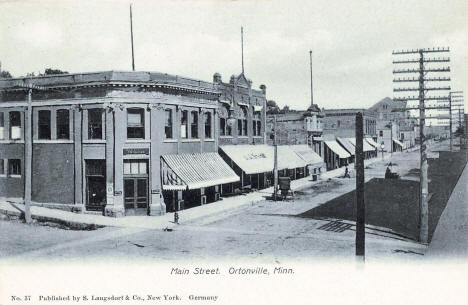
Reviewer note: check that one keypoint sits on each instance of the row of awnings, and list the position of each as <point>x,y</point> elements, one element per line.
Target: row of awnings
<point>196,170</point>
<point>346,147</point>
<point>256,159</point>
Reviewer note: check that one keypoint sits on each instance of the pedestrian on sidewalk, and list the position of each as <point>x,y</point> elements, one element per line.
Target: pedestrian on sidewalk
<point>346,172</point>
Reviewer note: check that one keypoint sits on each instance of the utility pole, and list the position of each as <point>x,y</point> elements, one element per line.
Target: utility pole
<point>275,165</point>
<point>422,68</point>
<point>311,82</point>
<point>131,36</point>
<point>28,158</point>
<point>360,204</point>
<point>242,48</point>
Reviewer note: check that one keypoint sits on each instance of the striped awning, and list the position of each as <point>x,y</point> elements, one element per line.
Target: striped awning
<point>337,149</point>
<point>309,156</point>
<point>194,171</point>
<point>365,146</point>
<point>288,158</point>
<point>372,142</point>
<point>347,145</point>
<point>399,143</point>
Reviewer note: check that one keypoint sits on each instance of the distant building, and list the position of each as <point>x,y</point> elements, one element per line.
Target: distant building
<point>342,123</point>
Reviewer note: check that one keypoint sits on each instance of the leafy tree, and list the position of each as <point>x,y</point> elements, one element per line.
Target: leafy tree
<point>272,108</point>
<point>5,74</point>
<point>50,71</point>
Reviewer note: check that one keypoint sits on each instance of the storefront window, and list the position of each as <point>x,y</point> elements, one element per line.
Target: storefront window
<point>135,167</point>
<point>208,125</point>
<point>14,167</point>
<point>135,123</point>
<point>63,124</point>
<point>44,124</point>
<point>194,125</point>
<point>168,124</point>
<point>2,167</point>
<point>94,123</point>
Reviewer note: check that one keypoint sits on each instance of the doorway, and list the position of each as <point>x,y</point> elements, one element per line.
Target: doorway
<point>95,185</point>
<point>136,187</point>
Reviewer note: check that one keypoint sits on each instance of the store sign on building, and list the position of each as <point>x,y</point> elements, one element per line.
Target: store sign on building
<point>136,151</point>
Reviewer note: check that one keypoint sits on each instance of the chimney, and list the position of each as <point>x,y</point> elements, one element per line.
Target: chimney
<point>263,88</point>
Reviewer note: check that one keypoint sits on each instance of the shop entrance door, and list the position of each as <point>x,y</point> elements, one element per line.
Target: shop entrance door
<point>95,185</point>
<point>136,187</point>
<point>136,196</point>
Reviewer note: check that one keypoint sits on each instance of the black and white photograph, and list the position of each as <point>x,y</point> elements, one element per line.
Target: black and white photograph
<point>233,152</point>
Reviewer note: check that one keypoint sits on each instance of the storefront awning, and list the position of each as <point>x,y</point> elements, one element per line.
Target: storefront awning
<point>337,149</point>
<point>365,146</point>
<point>252,159</point>
<point>399,143</point>
<point>347,145</point>
<point>243,104</point>
<point>309,156</point>
<point>196,170</point>
<point>372,143</point>
<point>288,158</point>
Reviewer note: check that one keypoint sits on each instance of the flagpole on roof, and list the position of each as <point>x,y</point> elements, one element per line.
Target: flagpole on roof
<point>131,37</point>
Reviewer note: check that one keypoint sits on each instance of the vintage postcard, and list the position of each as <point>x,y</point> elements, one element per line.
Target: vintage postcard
<point>233,152</point>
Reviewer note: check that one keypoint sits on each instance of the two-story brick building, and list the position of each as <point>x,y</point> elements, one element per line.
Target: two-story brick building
<point>123,143</point>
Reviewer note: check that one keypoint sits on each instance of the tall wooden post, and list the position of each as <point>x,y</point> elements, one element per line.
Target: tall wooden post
<point>28,159</point>
<point>450,119</point>
<point>360,204</point>
<point>423,184</point>
<point>131,37</point>
<point>275,166</point>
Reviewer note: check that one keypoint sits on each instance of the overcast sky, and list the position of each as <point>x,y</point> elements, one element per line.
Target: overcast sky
<point>352,42</point>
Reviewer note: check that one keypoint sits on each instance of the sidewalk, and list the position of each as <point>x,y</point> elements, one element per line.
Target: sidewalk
<point>450,238</point>
<point>165,221</point>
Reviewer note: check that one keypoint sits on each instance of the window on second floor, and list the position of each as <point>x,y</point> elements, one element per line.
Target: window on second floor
<point>44,124</point>
<point>194,125</point>
<point>208,134</point>
<point>168,124</point>
<point>380,133</point>
<point>239,127</point>
<point>2,125</point>
<point>135,123</point>
<point>2,167</point>
<point>63,124</point>
<point>15,125</point>
<point>95,123</point>
<point>222,126</point>
<point>183,124</point>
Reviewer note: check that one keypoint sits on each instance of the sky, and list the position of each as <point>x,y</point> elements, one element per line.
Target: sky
<point>352,42</point>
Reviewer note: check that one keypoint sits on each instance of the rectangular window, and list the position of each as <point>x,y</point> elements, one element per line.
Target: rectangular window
<point>2,125</point>
<point>194,125</point>
<point>244,127</point>
<point>168,124</point>
<point>229,129</point>
<point>135,123</point>
<point>259,127</point>
<point>44,124</point>
<point>63,124</point>
<point>222,126</point>
<point>95,123</point>
<point>15,125</point>
<point>208,125</point>
<point>2,167</point>
<point>381,133</point>
<point>135,167</point>
<point>183,124</point>
<point>239,127</point>
<point>14,167</point>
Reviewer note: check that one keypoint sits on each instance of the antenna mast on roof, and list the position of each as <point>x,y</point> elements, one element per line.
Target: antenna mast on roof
<point>131,36</point>
<point>242,48</point>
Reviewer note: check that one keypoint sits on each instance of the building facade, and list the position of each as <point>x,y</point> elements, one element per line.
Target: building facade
<point>342,123</point>
<point>122,143</point>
